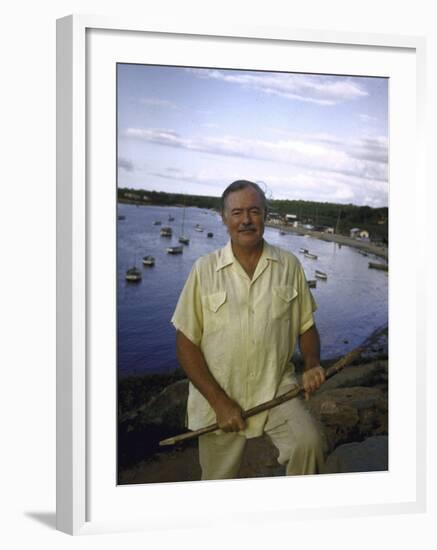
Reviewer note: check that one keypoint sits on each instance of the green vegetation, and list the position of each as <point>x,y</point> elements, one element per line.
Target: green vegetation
<point>139,196</point>
<point>341,217</point>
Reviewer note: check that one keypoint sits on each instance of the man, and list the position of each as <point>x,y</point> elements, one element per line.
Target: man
<point>238,318</point>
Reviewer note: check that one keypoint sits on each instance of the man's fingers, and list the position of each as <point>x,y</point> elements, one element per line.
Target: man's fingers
<point>312,380</point>
<point>234,424</point>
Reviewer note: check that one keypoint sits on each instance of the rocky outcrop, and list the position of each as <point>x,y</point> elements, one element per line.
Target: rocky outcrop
<point>350,414</point>
<point>370,455</point>
<point>140,431</point>
<point>373,374</point>
<point>168,407</point>
<point>351,407</point>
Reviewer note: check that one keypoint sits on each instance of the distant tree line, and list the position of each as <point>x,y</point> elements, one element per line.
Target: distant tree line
<point>341,217</point>
<point>167,199</point>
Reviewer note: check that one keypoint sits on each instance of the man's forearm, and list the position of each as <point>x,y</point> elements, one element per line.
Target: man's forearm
<point>314,375</point>
<point>309,344</point>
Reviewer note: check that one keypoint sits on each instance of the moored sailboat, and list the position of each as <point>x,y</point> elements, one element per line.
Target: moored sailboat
<point>183,238</point>
<point>175,249</point>
<point>133,275</point>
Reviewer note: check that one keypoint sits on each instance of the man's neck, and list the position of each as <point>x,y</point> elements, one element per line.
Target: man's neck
<point>248,257</point>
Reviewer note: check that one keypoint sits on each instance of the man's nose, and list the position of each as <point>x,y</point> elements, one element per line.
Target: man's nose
<point>246,217</point>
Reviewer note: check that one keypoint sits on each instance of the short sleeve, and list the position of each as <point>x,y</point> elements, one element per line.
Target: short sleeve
<point>187,317</point>
<point>307,304</point>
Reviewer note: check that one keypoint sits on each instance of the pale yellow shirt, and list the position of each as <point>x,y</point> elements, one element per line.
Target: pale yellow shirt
<point>246,328</point>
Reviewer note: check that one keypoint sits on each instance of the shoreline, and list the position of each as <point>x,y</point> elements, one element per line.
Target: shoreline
<point>377,250</point>
<point>380,251</point>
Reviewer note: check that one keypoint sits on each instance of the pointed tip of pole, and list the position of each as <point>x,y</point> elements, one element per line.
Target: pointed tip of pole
<point>169,441</point>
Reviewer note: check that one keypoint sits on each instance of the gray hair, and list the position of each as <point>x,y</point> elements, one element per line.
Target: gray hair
<point>238,185</point>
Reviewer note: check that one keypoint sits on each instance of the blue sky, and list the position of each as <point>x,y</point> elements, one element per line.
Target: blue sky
<point>301,136</point>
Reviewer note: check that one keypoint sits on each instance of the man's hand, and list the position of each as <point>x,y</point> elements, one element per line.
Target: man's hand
<point>312,379</point>
<point>228,414</point>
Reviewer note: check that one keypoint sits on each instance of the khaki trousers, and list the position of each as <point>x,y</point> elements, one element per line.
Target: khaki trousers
<point>291,428</point>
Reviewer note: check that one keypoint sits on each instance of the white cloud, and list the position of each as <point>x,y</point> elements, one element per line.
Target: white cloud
<point>366,157</point>
<point>367,118</point>
<point>156,102</point>
<point>321,90</point>
<point>125,164</point>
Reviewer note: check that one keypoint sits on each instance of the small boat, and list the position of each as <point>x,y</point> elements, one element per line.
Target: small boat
<point>382,267</point>
<point>121,217</point>
<point>175,249</point>
<point>362,252</point>
<point>282,232</point>
<point>198,227</point>
<point>183,239</point>
<point>166,232</point>
<point>312,283</point>
<point>210,235</point>
<point>133,275</point>
<point>157,222</point>
<point>310,256</point>
<point>148,260</point>
<point>170,219</point>
<point>303,250</point>
<point>321,274</point>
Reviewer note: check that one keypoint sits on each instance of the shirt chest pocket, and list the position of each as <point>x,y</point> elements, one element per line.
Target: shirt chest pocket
<point>215,312</point>
<point>282,302</point>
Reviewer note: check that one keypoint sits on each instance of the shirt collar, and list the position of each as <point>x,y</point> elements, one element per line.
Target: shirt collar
<point>226,256</point>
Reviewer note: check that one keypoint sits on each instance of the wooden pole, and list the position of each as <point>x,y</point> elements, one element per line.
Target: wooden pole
<point>295,391</point>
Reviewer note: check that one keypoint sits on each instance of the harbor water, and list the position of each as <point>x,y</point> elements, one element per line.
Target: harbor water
<point>352,302</point>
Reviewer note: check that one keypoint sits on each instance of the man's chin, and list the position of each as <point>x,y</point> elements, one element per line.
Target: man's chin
<point>249,238</point>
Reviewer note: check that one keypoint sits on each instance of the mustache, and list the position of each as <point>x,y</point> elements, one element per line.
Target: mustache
<point>247,228</point>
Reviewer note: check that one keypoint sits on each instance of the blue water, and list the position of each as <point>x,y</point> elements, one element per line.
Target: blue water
<point>351,303</point>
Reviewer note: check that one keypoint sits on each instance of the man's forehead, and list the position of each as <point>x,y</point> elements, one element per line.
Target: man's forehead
<point>244,197</point>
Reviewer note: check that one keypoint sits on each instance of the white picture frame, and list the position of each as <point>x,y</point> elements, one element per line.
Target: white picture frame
<point>77,425</point>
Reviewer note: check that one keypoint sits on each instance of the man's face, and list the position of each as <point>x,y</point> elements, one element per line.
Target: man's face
<point>244,217</point>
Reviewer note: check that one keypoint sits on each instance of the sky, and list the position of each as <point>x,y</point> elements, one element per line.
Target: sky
<point>300,136</point>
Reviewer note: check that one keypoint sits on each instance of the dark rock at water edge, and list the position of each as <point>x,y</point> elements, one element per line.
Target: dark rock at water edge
<point>140,431</point>
<point>351,407</point>
<point>370,455</point>
<point>350,414</point>
<point>372,374</point>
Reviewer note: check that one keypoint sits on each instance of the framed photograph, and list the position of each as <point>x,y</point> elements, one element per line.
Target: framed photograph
<point>153,124</point>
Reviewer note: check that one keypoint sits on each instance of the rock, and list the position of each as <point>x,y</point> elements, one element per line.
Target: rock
<point>347,412</point>
<point>378,347</point>
<point>168,407</point>
<point>369,374</point>
<point>371,455</point>
<point>350,414</point>
<point>162,416</point>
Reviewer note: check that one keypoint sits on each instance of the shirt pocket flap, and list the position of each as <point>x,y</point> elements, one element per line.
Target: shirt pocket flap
<point>286,293</point>
<point>214,301</point>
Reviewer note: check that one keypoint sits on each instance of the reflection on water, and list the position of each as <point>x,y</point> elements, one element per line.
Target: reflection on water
<point>352,302</point>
